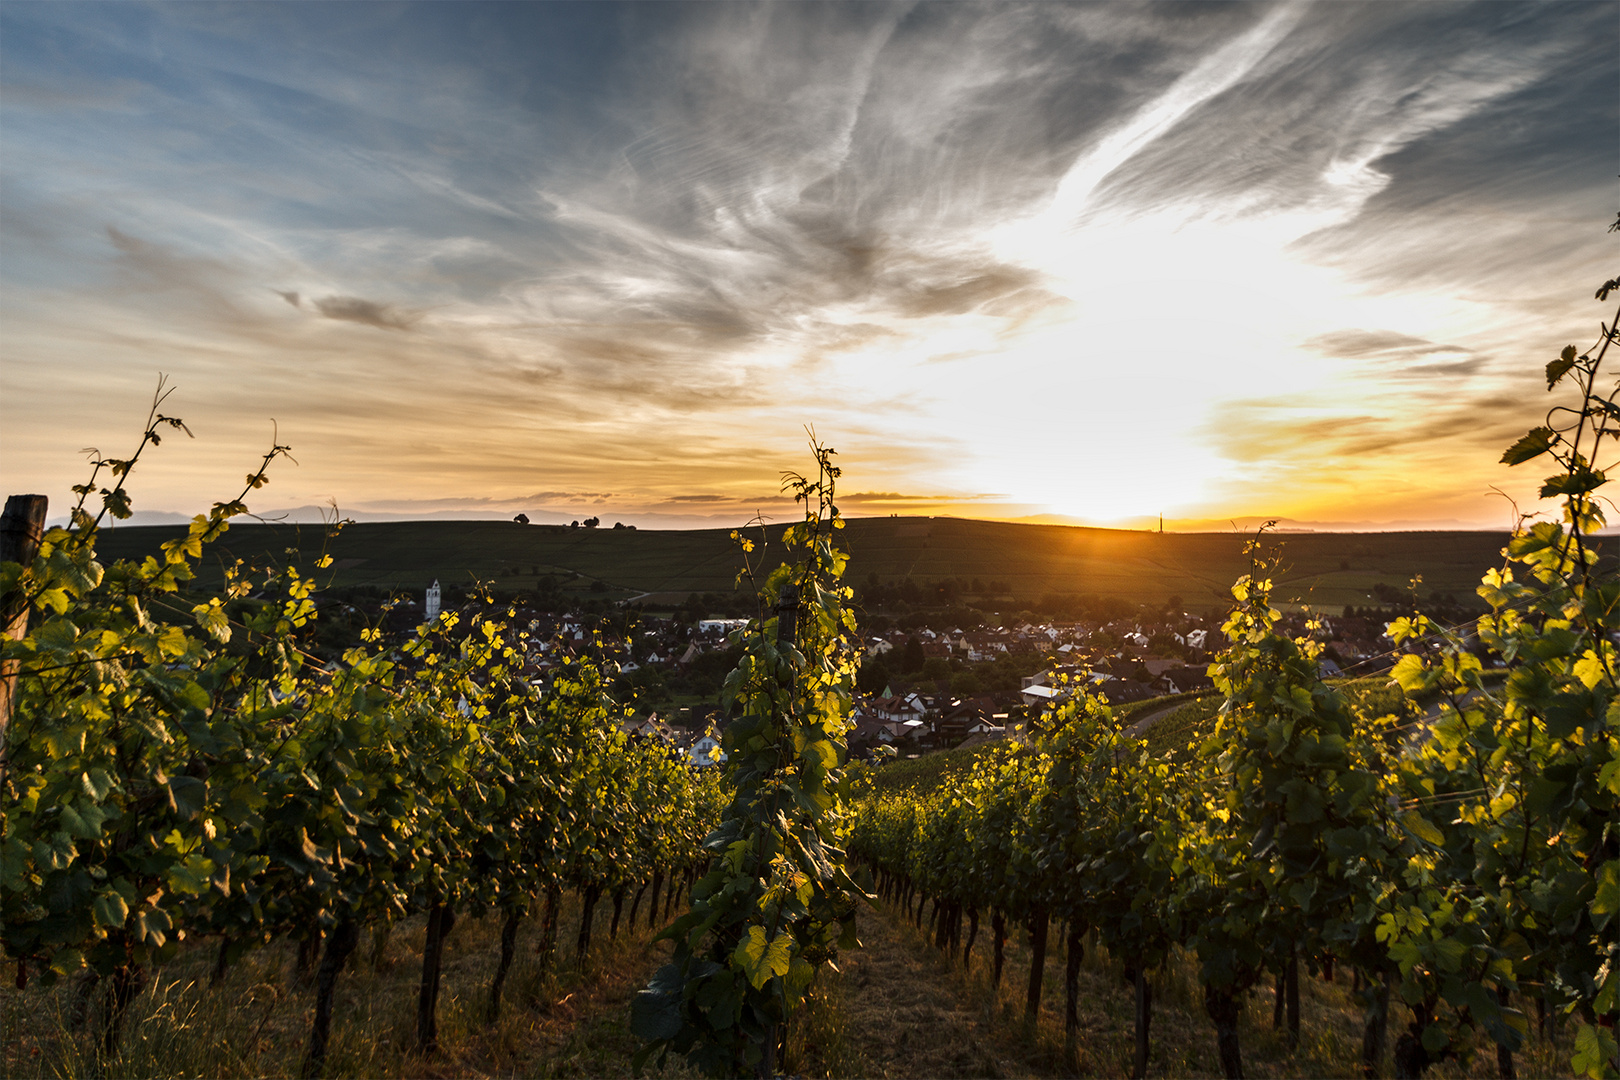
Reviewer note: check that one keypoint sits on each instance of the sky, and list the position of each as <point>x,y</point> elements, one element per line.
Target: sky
<point>1087,262</point>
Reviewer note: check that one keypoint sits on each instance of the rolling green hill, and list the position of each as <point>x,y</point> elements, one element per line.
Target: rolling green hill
<point>1329,569</point>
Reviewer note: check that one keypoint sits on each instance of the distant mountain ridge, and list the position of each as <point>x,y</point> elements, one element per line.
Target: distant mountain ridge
<point>311,514</point>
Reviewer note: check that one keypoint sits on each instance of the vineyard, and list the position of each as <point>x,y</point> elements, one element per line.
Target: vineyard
<point>179,772</point>
<point>180,775</point>
<point>1465,866</point>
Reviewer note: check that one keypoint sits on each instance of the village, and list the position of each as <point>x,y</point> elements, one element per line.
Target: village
<point>928,681</point>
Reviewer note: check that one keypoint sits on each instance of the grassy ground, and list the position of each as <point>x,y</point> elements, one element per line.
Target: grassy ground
<point>895,1008</point>
<point>1324,569</point>
<point>909,1011</point>
<point>571,1022</point>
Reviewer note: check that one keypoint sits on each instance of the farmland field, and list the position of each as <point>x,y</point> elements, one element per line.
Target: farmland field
<point>1329,569</point>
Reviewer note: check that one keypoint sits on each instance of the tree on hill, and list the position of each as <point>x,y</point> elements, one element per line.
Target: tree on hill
<point>872,677</point>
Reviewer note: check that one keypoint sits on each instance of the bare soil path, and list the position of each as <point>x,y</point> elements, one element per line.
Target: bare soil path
<point>905,1016</point>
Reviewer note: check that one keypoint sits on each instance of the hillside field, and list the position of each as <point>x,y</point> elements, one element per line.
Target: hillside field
<point>1328,569</point>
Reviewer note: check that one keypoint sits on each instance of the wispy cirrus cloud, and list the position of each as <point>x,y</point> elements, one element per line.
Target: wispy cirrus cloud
<point>1049,251</point>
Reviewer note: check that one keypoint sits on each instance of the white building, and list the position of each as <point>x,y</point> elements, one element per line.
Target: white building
<point>705,752</point>
<point>723,626</point>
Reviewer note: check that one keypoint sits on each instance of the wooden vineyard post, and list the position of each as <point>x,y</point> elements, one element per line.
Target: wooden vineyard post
<point>21,527</point>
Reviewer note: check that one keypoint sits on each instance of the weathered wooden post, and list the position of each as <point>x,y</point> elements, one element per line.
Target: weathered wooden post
<point>21,527</point>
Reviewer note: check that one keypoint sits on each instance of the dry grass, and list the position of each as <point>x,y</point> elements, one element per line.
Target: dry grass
<point>563,1023</point>
<point>909,1011</point>
<point>897,1008</point>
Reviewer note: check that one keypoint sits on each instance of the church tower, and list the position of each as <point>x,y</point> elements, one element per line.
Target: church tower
<point>430,609</point>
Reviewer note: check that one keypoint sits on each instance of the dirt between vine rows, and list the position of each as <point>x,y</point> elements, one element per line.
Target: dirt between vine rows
<point>896,1008</point>
<point>905,1015</point>
<point>900,1008</point>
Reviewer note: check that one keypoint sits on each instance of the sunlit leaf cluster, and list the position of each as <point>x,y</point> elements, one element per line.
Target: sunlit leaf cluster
<point>777,903</point>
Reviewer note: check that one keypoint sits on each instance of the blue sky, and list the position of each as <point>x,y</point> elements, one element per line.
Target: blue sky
<point>1100,261</point>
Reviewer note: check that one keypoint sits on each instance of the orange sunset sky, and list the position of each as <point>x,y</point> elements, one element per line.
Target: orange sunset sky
<point>1088,262</point>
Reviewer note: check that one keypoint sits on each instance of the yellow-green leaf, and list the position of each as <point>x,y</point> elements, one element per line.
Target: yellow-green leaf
<point>760,961</point>
<point>1557,369</point>
<point>1594,1048</point>
<point>1535,443</point>
<point>109,909</point>
<point>1423,829</point>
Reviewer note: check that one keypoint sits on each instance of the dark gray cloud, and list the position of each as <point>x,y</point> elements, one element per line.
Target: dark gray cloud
<point>1431,369</point>
<point>1360,344</point>
<point>1274,431</point>
<point>367,312</point>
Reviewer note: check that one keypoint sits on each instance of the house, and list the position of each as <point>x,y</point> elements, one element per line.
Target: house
<point>650,727</point>
<point>705,752</point>
<point>1122,692</point>
<point>963,718</point>
<point>720,626</point>
<point>983,645</point>
<point>870,733</point>
<point>915,732</point>
<point>865,715</point>
<point>1037,695</point>
<point>900,709</point>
